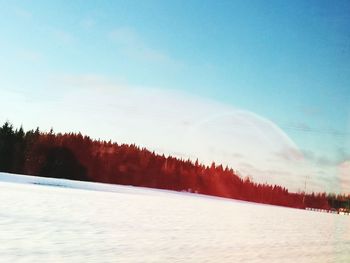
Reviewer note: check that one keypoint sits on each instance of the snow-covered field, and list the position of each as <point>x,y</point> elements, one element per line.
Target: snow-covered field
<point>54,220</point>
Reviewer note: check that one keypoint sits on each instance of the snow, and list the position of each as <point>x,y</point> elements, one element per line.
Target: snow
<point>55,220</point>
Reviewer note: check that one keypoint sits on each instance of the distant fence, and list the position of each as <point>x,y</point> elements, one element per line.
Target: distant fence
<point>328,211</point>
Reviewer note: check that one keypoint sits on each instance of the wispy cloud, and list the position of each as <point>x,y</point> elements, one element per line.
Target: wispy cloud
<point>22,13</point>
<point>310,111</point>
<point>290,154</point>
<point>87,23</point>
<point>63,37</point>
<point>31,56</point>
<point>344,175</point>
<point>132,45</point>
<point>321,160</point>
<point>88,82</point>
<point>342,154</point>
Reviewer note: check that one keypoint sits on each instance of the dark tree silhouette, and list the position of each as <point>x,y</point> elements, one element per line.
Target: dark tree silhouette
<point>7,142</point>
<point>78,157</point>
<point>60,162</point>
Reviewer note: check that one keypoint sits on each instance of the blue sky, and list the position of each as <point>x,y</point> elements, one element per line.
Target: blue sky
<point>285,61</point>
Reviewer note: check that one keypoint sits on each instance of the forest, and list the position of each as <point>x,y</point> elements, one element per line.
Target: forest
<point>78,157</point>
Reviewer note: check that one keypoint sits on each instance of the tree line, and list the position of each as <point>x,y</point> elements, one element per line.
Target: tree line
<point>78,157</point>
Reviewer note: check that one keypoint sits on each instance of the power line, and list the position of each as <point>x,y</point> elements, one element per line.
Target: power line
<point>313,130</point>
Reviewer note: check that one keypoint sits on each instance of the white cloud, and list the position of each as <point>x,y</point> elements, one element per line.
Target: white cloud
<point>344,176</point>
<point>173,123</point>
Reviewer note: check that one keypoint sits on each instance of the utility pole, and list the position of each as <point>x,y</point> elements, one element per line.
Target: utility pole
<point>305,189</point>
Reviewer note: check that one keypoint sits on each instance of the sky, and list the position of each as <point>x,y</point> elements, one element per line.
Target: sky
<point>260,86</point>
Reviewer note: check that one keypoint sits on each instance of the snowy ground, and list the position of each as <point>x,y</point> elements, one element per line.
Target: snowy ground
<point>54,220</point>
